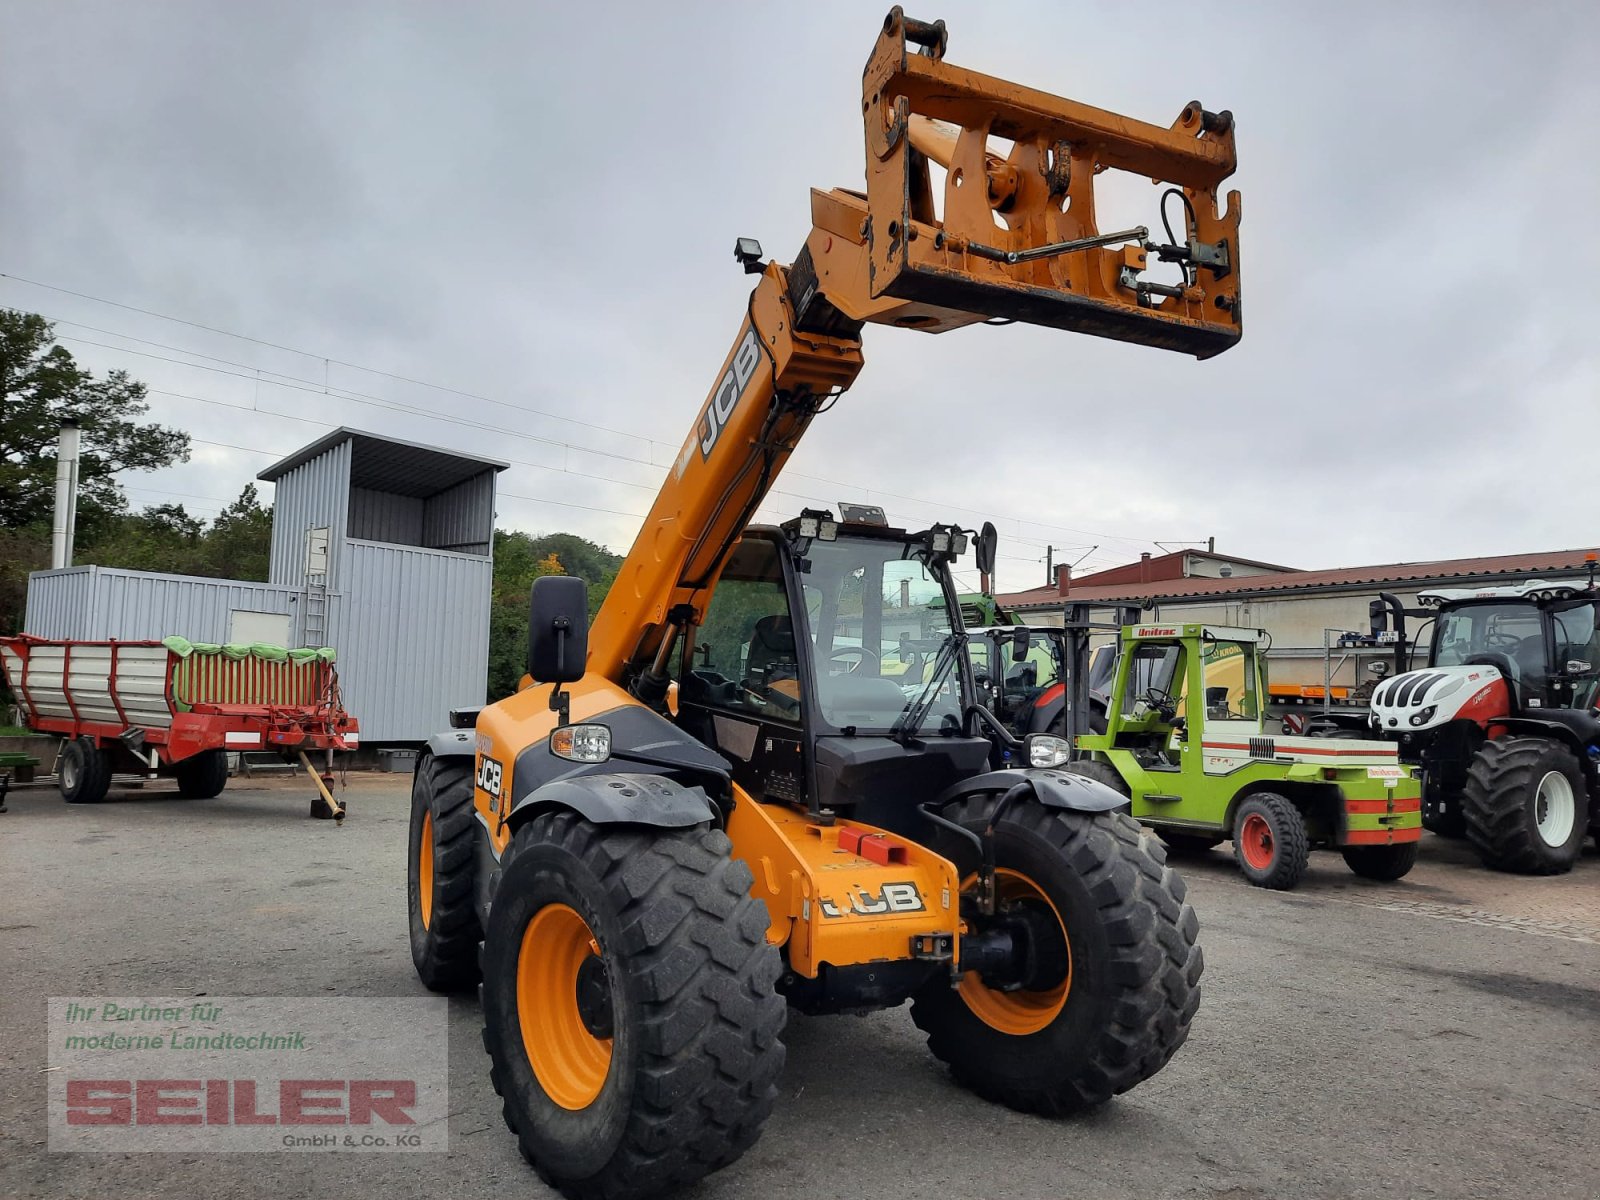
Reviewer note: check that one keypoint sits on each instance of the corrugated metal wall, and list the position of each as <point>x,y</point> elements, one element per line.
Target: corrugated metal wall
<point>460,518</point>
<point>314,494</point>
<point>417,643</point>
<point>386,517</point>
<point>93,603</point>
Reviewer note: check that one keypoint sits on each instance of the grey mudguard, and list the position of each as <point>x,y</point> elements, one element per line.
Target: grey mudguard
<point>617,799</point>
<point>1052,788</point>
<point>452,743</point>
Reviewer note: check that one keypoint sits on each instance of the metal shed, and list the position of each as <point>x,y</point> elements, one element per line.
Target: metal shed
<point>380,547</point>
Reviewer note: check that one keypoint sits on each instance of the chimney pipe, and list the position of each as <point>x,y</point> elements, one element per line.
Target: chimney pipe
<point>65,526</point>
<point>1144,567</point>
<point>1064,579</point>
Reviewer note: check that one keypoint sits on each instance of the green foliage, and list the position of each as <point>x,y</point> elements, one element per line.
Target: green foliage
<point>165,537</point>
<point>519,559</point>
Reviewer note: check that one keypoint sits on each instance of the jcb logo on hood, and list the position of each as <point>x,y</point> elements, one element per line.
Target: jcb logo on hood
<point>895,898</point>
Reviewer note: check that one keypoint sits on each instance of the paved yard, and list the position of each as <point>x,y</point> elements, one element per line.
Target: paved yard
<point>1439,1037</point>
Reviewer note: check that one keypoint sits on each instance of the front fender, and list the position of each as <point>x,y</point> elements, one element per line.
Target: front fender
<point>1050,787</point>
<point>620,799</point>
<point>452,743</point>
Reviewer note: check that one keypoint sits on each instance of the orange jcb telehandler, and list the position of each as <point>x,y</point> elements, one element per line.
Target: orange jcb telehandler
<point>763,778</point>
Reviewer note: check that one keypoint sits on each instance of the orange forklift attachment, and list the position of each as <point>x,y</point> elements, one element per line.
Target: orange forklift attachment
<point>1019,239</point>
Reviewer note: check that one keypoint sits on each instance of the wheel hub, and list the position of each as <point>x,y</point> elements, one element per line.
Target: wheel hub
<point>1555,809</point>
<point>594,998</point>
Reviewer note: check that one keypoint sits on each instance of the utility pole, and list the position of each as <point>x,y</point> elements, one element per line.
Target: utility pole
<point>1049,566</point>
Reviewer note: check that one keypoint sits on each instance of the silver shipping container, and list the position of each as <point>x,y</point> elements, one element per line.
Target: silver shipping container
<point>380,548</point>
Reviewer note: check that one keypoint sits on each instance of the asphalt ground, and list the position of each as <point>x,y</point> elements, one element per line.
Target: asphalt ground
<point>1435,1037</point>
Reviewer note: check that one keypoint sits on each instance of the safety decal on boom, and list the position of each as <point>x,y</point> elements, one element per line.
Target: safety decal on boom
<point>894,898</point>
<point>719,409</point>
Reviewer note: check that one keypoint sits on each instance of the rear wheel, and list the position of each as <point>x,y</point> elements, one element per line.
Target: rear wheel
<point>202,776</point>
<point>1113,973</point>
<point>1526,806</point>
<point>1386,863</point>
<point>1269,841</point>
<point>445,930</point>
<point>85,772</point>
<point>630,1005</point>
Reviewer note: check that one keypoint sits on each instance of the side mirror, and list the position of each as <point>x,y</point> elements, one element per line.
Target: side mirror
<point>558,629</point>
<point>1021,640</point>
<point>988,541</point>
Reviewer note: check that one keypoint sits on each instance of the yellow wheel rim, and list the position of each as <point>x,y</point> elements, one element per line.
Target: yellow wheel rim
<point>425,869</point>
<point>570,1062</point>
<point>1017,1013</point>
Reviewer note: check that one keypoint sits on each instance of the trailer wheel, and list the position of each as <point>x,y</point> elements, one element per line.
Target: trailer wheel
<point>85,772</point>
<point>1384,863</point>
<point>630,1005</point>
<point>1270,842</point>
<point>202,776</point>
<point>1525,805</point>
<point>1114,966</point>
<point>445,930</point>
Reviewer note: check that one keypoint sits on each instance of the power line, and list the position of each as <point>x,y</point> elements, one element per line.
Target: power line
<point>325,389</point>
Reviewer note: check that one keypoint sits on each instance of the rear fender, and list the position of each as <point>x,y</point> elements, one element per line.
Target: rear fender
<point>652,800</point>
<point>1051,788</point>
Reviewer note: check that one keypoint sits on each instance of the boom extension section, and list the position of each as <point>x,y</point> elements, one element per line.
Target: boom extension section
<point>1016,239</point>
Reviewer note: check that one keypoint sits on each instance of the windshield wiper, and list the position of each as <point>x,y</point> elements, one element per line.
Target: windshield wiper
<point>911,718</point>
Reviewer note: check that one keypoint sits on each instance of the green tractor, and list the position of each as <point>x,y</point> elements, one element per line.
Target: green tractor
<point>1186,741</point>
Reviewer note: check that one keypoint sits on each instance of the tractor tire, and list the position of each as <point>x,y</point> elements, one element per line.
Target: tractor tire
<point>1383,863</point>
<point>1102,772</point>
<point>202,776</point>
<point>1270,842</point>
<point>85,772</point>
<point>630,1005</point>
<point>1441,811</point>
<point>440,899</point>
<point>1526,806</point>
<point>1131,981</point>
<point>1188,843</point>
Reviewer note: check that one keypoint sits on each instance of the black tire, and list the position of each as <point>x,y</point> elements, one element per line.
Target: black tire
<point>1134,981</point>
<point>85,772</point>
<point>1277,858</point>
<point>1384,863</point>
<point>1502,804</point>
<point>695,1017</point>
<point>1442,810</point>
<point>1189,843</point>
<point>202,776</point>
<point>1102,772</point>
<point>445,931</point>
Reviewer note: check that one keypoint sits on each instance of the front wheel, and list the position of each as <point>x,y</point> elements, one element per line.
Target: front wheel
<point>1383,863</point>
<point>630,1005</point>
<point>1270,843</point>
<point>1113,973</point>
<point>202,776</point>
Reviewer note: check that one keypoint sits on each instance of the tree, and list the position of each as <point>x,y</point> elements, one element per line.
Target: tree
<point>519,559</point>
<point>40,384</point>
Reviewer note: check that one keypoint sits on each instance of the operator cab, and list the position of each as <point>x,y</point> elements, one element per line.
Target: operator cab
<point>1548,649</point>
<point>1174,686</point>
<point>830,669</point>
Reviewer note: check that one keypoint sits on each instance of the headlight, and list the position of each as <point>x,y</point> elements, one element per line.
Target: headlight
<point>1426,715</point>
<point>1047,750</point>
<point>582,743</point>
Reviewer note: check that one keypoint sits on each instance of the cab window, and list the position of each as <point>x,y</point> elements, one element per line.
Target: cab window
<point>744,655</point>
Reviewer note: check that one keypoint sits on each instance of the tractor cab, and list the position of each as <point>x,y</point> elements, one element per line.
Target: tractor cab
<point>831,669</point>
<point>1019,672</point>
<point>1177,687</point>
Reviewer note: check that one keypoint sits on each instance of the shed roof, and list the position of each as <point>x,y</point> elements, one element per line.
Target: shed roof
<point>1290,582</point>
<point>389,464</point>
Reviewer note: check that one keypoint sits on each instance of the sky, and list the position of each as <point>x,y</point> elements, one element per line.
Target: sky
<point>507,229</point>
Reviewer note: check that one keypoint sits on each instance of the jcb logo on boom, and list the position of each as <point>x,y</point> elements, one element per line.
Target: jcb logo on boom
<point>895,898</point>
<point>489,776</point>
<point>746,358</point>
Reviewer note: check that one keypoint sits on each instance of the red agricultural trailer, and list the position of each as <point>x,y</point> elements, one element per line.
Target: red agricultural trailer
<point>174,708</point>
